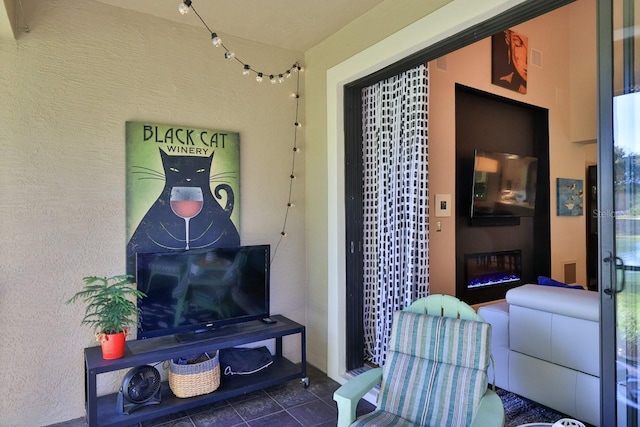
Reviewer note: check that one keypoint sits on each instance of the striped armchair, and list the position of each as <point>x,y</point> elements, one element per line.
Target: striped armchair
<point>435,374</point>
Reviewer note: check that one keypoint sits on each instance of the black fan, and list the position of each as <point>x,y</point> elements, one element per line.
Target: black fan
<point>140,387</point>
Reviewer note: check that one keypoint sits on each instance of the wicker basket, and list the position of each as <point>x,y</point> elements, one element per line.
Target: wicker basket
<point>194,379</point>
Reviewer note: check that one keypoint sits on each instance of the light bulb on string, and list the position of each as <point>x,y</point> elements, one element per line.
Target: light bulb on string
<point>298,124</point>
<point>246,70</point>
<point>291,205</point>
<point>297,150</point>
<point>183,7</point>
<point>283,234</point>
<point>295,95</point>
<point>272,79</point>
<point>280,78</point>
<point>259,78</point>
<point>229,55</point>
<point>217,41</point>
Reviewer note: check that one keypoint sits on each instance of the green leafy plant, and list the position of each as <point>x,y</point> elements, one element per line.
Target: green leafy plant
<point>110,306</point>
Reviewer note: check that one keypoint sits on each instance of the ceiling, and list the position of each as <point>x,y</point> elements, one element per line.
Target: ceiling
<point>290,24</point>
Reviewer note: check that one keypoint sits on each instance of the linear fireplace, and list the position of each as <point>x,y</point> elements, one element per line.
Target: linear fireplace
<point>493,269</point>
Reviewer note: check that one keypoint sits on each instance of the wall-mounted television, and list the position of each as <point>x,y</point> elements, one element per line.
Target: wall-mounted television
<point>504,185</point>
<point>196,291</point>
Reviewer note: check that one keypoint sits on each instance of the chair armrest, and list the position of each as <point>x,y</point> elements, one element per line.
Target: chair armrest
<point>490,411</point>
<point>350,393</point>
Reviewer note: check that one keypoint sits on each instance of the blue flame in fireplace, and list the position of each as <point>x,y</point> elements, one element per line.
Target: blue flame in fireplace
<point>493,268</point>
<point>493,279</point>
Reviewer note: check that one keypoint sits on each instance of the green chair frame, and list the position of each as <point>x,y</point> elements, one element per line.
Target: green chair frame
<point>490,412</point>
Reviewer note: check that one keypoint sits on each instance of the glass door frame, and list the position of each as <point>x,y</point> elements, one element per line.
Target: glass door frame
<point>616,363</point>
<point>606,223</point>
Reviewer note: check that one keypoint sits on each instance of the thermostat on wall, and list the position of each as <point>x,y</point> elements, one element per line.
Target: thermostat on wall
<point>443,205</point>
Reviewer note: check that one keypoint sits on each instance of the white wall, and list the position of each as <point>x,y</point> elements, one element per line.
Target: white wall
<point>66,91</point>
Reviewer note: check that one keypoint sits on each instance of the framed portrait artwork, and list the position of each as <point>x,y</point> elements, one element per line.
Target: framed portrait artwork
<point>509,60</point>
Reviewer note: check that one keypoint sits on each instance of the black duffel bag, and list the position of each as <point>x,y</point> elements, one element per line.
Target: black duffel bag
<point>244,361</point>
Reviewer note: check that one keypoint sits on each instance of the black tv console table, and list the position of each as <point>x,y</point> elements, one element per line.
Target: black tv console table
<point>103,411</point>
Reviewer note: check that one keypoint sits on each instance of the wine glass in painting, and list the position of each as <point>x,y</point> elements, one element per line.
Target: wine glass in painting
<point>186,202</point>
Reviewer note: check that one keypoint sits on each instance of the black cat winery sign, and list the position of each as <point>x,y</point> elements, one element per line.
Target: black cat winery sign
<point>183,188</point>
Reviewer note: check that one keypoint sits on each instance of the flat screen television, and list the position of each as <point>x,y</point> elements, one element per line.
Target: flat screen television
<point>504,185</point>
<point>196,291</point>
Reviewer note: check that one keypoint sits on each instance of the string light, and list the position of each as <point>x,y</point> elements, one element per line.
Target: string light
<point>292,176</point>
<point>184,8</point>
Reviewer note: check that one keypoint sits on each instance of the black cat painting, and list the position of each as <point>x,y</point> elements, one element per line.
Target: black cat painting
<point>188,213</point>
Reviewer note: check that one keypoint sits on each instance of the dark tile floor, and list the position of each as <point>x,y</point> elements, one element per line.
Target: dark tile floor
<point>285,405</point>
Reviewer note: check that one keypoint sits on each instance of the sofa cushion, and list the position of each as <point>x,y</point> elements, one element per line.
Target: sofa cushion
<point>557,325</point>
<point>530,332</point>
<point>563,340</point>
<point>576,344</point>
<point>578,303</point>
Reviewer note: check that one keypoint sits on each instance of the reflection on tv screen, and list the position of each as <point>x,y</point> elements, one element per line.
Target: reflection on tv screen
<point>504,184</point>
<point>188,291</point>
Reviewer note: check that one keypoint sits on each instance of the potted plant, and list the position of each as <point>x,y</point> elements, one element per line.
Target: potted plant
<point>111,310</point>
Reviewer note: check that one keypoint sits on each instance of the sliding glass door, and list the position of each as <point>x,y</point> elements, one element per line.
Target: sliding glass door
<point>619,187</point>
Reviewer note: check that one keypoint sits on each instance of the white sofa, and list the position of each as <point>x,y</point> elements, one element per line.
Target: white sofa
<point>546,347</point>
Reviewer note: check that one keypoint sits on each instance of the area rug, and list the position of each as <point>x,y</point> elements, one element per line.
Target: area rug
<point>519,410</point>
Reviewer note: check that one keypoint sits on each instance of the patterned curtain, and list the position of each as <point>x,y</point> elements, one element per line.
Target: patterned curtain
<point>396,202</point>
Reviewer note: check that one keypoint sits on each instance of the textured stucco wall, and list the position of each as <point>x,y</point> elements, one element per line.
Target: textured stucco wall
<point>66,91</point>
